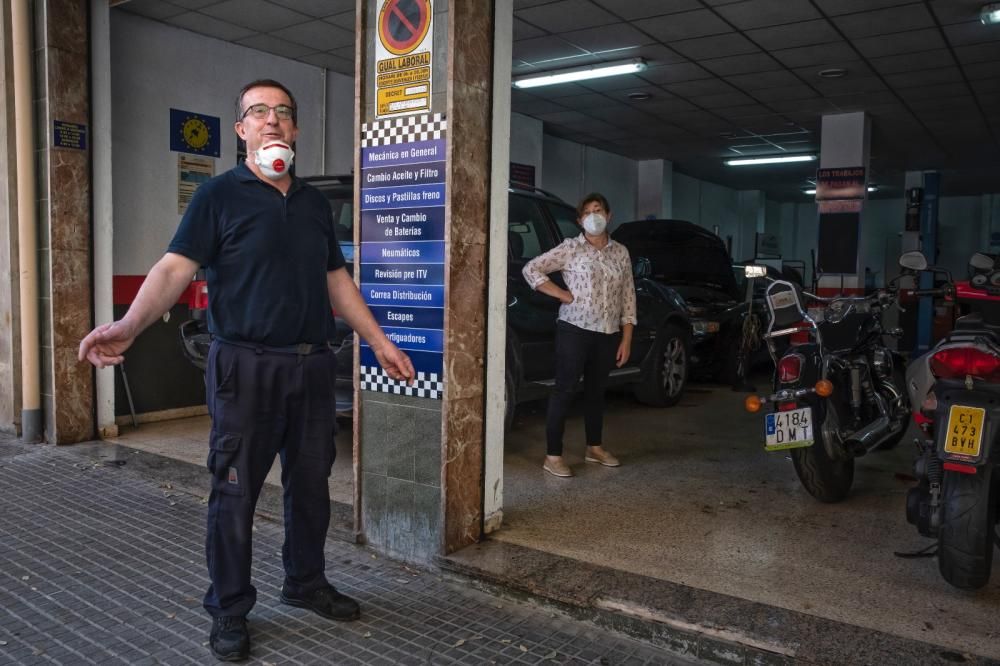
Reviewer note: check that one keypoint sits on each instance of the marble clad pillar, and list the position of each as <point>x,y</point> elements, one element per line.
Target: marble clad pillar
<point>420,458</point>
<point>62,94</point>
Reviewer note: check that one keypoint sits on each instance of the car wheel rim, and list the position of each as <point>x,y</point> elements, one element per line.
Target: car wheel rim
<point>674,366</point>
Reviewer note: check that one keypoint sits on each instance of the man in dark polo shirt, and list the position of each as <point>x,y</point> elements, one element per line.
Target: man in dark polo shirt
<point>274,268</point>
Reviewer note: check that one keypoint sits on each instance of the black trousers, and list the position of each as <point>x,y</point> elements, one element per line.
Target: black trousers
<point>587,353</point>
<point>264,404</point>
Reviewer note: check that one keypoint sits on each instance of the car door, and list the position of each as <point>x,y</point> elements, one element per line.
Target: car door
<point>531,315</point>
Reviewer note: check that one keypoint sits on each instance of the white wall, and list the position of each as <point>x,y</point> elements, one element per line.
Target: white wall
<point>526,144</point>
<point>156,67</point>
<point>339,125</point>
<point>572,170</point>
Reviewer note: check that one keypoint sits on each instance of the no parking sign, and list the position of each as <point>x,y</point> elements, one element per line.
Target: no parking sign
<point>403,57</point>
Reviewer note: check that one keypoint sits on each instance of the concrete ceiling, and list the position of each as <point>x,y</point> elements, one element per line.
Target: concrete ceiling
<point>724,78</point>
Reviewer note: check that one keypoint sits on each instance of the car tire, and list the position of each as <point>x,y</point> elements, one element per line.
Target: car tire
<point>664,380</point>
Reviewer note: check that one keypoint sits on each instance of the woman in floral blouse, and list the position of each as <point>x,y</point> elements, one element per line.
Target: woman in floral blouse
<point>594,331</point>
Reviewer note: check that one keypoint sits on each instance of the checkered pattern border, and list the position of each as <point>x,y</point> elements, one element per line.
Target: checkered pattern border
<point>404,129</point>
<point>426,385</point>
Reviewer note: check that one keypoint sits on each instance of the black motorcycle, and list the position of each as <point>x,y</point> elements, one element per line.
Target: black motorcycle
<point>957,385</point>
<point>838,390</point>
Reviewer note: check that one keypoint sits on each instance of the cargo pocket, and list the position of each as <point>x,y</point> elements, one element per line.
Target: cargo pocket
<point>226,464</point>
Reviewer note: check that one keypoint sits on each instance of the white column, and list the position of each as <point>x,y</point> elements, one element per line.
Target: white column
<point>496,316</point>
<point>100,71</point>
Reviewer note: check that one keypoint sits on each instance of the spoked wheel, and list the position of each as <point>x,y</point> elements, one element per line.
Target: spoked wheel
<point>665,380</point>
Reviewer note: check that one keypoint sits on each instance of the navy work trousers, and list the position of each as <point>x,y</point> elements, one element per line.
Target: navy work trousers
<point>592,354</point>
<point>262,404</point>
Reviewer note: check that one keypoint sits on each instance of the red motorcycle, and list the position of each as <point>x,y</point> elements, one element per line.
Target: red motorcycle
<point>957,385</point>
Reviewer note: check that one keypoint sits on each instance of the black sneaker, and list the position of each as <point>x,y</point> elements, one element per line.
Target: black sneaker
<point>325,602</point>
<point>230,638</point>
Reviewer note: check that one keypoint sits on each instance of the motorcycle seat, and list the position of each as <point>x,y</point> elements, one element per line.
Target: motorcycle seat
<point>973,325</point>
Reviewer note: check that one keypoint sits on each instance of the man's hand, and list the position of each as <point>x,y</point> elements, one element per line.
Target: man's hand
<point>624,349</point>
<point>105,345</point>
<point>395,363</point>
<point>566,296</point>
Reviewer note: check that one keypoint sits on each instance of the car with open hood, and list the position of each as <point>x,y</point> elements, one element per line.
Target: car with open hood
<point>694,263</point>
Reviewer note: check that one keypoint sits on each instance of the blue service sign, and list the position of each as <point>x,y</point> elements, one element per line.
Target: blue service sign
<point>402,252</point>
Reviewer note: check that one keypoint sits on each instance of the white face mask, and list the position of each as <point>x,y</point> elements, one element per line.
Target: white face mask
<point>274,159</point>
<point>595,224</point>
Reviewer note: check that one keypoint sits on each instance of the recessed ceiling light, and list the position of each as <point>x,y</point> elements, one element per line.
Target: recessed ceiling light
<point>727,135</point>
<point>833,73</point>
<point>778,159</point>
<point>990,14</point>
<point>580,73</point>
<point>639,96</point>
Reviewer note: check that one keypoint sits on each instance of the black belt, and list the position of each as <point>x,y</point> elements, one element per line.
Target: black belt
<point>301,349</point>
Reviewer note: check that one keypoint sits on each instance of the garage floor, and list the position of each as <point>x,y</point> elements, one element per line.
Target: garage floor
<point>187,440</point>
<point>698,502</point>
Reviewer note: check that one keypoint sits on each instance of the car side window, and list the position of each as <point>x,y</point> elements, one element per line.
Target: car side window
<point>565,217</point>
<point>527,236</point>
<point>342,204</point>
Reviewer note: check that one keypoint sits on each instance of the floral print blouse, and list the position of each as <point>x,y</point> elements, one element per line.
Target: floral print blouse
<point>600,281</point>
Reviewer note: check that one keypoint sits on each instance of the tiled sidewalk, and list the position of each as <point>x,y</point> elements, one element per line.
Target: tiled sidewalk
<point>102,565</point>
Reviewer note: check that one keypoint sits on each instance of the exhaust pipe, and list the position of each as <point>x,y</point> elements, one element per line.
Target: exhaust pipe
<point>870,436</point>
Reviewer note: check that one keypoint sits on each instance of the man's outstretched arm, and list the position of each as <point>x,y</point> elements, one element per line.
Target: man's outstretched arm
<point>166,281</point>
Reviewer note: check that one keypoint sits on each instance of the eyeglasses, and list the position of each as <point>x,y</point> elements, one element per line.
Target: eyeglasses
<point>261,111</point>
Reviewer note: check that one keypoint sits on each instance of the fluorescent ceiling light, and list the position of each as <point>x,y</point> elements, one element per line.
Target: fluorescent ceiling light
<point>771,160</point>
<point>990,14</point>
<point>581,73</point>
<point>871,188</point>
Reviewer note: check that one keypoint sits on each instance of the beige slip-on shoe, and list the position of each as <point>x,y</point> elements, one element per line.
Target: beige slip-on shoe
<point>602,457</point>
<point>557,467</point>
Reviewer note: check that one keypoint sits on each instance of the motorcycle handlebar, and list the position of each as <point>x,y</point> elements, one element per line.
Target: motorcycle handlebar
<point>930,292</point>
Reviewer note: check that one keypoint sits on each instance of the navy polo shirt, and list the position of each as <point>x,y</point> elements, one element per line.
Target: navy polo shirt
<point>266,257</point>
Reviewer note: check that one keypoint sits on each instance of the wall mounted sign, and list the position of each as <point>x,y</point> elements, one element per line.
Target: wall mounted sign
<point>194,133</point>
<point>522,174</point>
<point>192,171</point>
<point>402,246</point>
<point>842,183</point>
<point>404,56</point>
<point>69,135</point>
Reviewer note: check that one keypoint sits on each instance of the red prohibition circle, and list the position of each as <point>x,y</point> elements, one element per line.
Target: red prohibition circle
<point>403,24</point>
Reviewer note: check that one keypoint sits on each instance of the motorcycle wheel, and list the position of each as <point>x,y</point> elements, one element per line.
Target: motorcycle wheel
<point>827,479</point>
<point>965,545</point>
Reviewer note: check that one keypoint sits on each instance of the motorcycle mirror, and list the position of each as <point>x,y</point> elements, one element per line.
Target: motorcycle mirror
<point>914,261</point>
<point>641,268</point>
<point>753,271</point>
<point>981,262</point>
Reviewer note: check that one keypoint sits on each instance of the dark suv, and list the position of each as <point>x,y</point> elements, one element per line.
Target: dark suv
<point>657,366</point>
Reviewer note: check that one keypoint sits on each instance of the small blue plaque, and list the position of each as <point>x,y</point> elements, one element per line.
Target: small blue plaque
<point>69,135</point>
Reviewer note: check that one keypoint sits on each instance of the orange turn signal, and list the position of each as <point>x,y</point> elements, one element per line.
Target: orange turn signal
<point>752,404</point>
<point>824,388</point>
